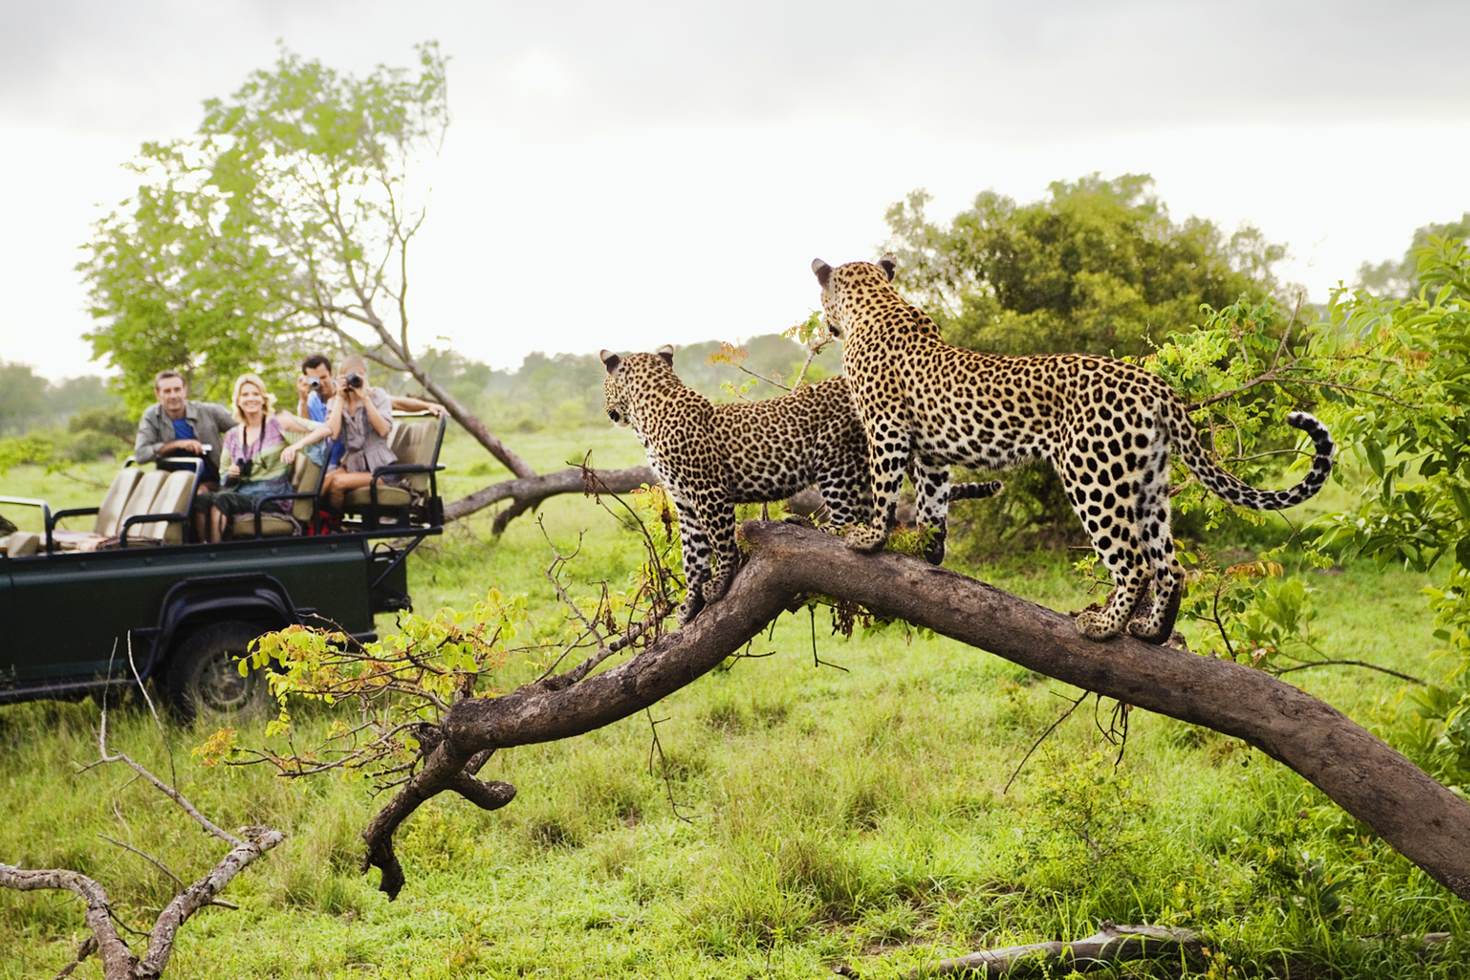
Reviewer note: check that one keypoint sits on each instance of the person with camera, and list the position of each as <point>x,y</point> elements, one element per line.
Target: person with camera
<point>361,418</point>
<point>315,388</point>
<point>261,449</point>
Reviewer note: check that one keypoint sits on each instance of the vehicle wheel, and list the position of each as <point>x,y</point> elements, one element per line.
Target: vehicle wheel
<point>203,677</point>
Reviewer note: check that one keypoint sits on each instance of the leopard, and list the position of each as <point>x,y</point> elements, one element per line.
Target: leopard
<point>1106,426</point>
<point>710,457</point>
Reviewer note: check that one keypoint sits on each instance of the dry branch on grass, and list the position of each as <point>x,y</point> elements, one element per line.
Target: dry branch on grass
<point>1108,946</point>
<point>1417,816</point>
<point>119,962</point>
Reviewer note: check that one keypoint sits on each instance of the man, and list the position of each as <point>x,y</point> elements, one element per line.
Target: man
<point>316,387</point>
<point>176,426</point>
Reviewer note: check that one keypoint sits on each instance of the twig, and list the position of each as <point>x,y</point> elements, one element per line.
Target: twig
<point>1348,663</point>
<point>1071,707</point>
<point>663,764</point>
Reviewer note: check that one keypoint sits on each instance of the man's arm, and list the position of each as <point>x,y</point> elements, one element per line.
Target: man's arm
<point>406,403</point>
<point>146,446</point>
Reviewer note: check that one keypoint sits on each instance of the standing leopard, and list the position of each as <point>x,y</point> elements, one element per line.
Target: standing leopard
<point>1106,426</point>
<point>711,457</point>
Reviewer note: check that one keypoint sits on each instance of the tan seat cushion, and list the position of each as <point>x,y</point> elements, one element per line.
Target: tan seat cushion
<point>116,498</point>
<point>174,497</point>
<point>271,525</point>
<point>388,496</point>
<point>19,544</point>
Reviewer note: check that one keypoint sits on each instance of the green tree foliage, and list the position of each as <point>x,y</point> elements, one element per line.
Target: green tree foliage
<point>1417,447</point>
<point>1097,266</point>
<point>284,215</point>
<point>1400,278</point>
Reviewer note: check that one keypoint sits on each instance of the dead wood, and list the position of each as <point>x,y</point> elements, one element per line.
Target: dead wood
<point>1110,944</point>
<point>1421,819</point>
<point>118,960</point>
<point>527,492</point>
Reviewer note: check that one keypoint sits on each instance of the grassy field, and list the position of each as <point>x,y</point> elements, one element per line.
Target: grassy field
<point>818,815</point>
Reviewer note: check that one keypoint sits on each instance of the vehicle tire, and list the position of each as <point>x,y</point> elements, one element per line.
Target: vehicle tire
<point>203,676</point>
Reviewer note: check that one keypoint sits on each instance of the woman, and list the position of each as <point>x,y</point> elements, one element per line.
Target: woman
<point>260,459</point>
<point>362,418</point>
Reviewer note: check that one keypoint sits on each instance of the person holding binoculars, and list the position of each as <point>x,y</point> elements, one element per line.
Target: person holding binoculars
<point>261,450</point>
<point>315,388</point>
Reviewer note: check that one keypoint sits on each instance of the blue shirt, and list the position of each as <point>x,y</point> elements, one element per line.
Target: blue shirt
<point>183,429</point>
<point>316,409</point>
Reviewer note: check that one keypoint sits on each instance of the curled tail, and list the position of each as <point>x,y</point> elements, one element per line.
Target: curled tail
<point>1186,441</point>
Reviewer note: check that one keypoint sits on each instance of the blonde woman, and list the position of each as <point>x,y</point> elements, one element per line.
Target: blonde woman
<point>257,454</point>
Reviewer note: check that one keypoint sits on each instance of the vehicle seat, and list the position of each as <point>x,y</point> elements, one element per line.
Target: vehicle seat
<point>19,544</point>
<point>109,513</point>
<point>175,496</point>
<point>306,477</point>
<point>414,443</point>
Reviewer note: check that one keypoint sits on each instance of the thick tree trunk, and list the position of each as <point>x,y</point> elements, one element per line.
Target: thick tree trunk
<point>1421,819</point>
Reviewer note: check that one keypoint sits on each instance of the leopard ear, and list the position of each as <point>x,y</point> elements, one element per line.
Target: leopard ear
<point>667,353</point>
<point>889,265</point>
<point>823,271</point>
<point>610,359</point>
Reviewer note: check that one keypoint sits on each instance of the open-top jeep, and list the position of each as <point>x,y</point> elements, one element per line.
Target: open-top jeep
<point>133,599</point>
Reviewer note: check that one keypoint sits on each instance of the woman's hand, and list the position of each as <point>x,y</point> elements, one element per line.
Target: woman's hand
<point>288,455</point>
<point>233,472</point>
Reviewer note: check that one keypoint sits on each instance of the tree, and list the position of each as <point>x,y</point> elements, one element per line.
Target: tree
<point>1400,279</point>
<point>285,223</point>
<point>22,398</point>
<point>1098,266</point>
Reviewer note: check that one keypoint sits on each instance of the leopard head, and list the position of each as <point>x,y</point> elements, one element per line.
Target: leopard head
<point>843,286</point>
<point>625,374</point>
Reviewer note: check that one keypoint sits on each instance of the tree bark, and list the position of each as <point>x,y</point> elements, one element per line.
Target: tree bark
<point>526,493</point>
<point>1418,817</point>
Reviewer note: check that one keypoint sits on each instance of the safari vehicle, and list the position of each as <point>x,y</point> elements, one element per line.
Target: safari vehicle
<point>133,600</point>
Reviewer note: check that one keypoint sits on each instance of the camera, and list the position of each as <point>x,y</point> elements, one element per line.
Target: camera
<point>354,380</point>
<point>315,384</point>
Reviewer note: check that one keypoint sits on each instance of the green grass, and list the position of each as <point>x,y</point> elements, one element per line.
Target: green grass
<point>833,815</point>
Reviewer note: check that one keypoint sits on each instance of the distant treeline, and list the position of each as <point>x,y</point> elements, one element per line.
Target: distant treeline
<point>560,390</point>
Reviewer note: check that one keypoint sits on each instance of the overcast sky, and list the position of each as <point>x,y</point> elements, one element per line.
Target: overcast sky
<point>632,174</point>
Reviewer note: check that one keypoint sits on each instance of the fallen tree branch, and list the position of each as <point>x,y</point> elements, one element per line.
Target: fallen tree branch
<point>1110,944</point>
<point>1415,815</point>
<point>118,960</point>
<point>527,493</point>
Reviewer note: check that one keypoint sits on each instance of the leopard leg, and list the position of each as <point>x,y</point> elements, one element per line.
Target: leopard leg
<point>1104,497</point>
<point>931,488</point>
<point>888,458</point>
<point>719,522</point>
<point>848,495</point>
<point>694,544</point>
<point>1154,622</point>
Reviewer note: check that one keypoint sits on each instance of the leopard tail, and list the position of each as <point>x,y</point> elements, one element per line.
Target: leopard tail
<point>974,491</point>
<point>1186,441</point>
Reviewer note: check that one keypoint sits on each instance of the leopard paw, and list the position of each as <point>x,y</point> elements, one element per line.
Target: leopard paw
<point>1092,624</point>
<point>863,537</point>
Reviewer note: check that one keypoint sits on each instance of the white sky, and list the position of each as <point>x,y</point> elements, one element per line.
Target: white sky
<point>627,175</point>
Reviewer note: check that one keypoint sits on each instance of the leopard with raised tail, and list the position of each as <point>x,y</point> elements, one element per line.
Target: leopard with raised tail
<point>1105,425</point>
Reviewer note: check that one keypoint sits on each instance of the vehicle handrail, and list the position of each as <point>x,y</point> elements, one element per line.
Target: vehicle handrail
<point>45,513</point>
<point>122,538</point>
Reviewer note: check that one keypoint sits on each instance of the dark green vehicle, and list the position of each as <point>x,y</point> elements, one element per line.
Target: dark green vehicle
<point>133,600</point>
